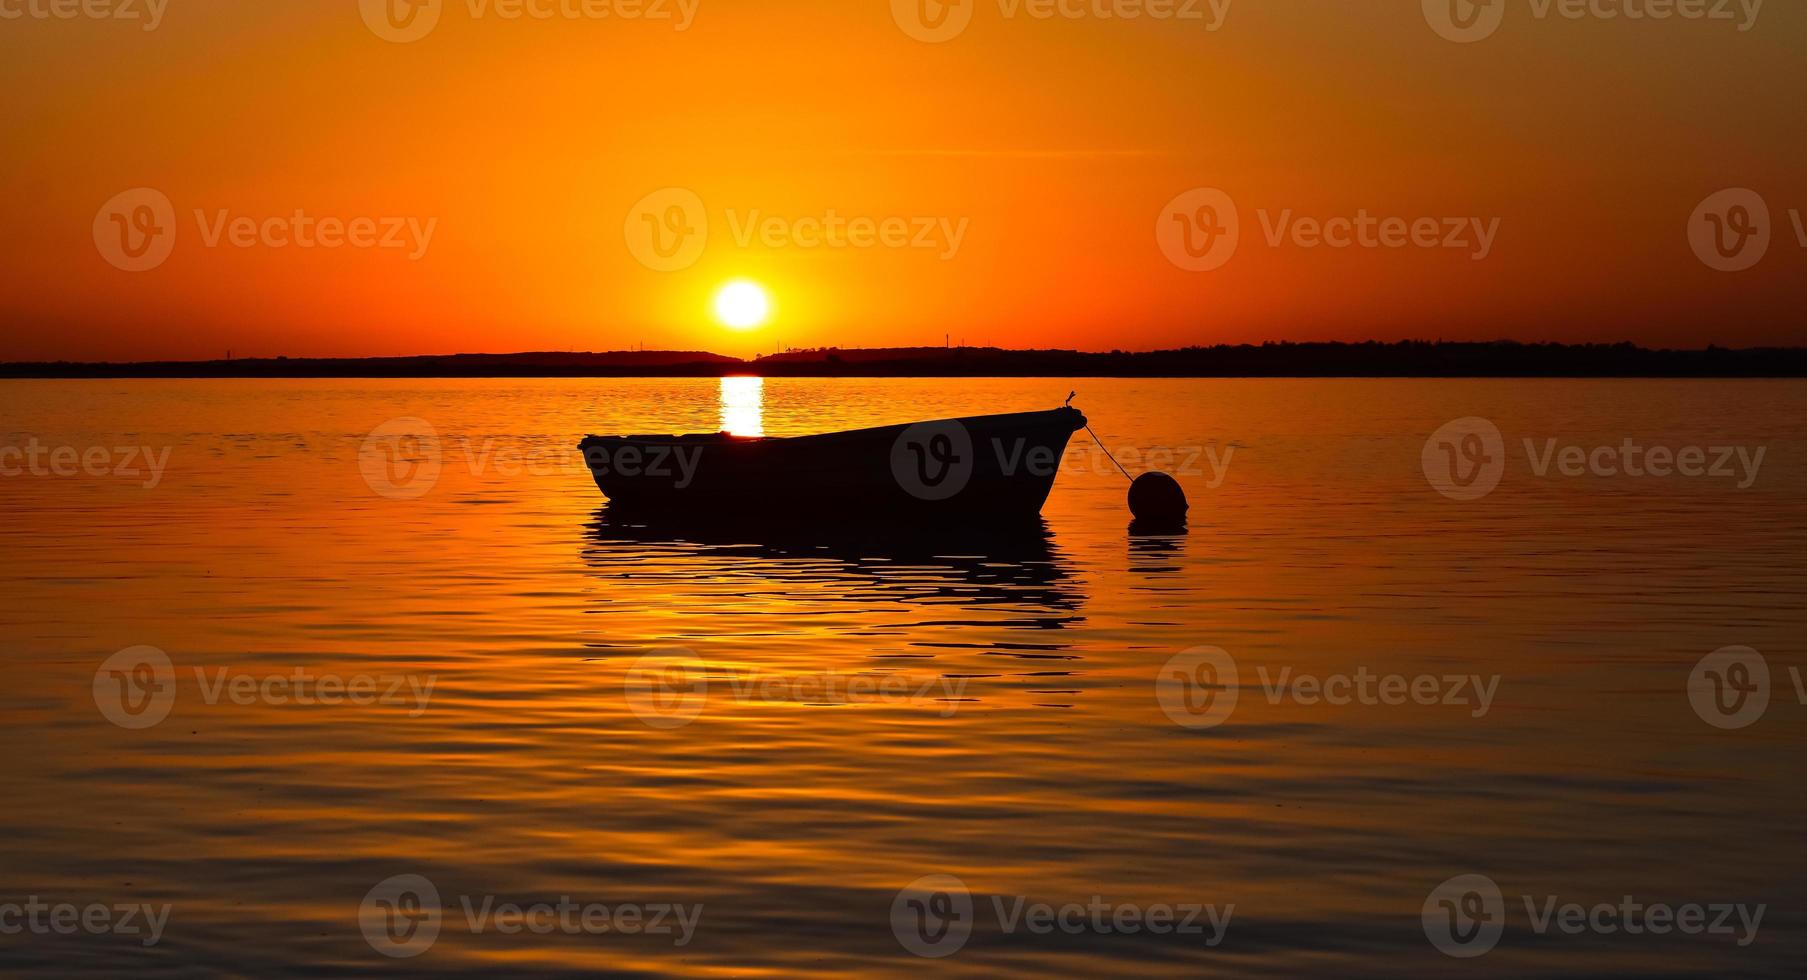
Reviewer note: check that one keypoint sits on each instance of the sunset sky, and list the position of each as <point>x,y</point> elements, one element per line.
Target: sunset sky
<point>1047,150</point>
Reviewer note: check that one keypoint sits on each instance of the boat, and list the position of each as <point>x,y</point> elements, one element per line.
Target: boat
<point>962,469</point>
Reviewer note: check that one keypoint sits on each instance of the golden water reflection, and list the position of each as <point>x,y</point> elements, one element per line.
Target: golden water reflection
<point>1026,753</point>
<point>743,406</point>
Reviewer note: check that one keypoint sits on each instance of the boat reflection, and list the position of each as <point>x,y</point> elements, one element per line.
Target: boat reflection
<point>1009,565</point>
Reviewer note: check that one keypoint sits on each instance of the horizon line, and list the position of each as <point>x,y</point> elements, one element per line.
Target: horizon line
<point>915,349</point>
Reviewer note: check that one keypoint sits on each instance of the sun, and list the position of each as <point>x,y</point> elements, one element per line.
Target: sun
<point>742,305</point>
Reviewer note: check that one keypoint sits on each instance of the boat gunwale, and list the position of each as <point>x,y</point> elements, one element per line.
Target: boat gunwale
<point>723,438</point>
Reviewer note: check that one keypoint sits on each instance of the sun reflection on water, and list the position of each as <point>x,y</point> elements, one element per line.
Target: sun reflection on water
<point>1011,730</point>
<point>743,406</point>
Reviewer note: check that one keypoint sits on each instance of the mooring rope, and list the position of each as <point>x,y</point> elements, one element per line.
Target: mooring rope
<point>1107,453</point>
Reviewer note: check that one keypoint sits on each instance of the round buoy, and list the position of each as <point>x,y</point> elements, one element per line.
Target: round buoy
<point>1157,499</point>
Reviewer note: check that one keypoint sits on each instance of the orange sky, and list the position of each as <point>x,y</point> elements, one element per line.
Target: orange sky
<point>1052,145</point>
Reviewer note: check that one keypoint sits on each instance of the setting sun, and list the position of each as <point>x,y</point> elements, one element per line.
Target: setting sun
<point>742,305</point>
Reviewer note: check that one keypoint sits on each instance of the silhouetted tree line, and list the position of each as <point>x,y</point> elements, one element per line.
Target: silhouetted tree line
<point>1275,359</point>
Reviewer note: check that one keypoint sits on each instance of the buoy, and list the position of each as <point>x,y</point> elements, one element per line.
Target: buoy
<point>1156,498</point>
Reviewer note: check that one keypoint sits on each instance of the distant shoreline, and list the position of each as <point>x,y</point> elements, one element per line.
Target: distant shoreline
<point>1411,359</point>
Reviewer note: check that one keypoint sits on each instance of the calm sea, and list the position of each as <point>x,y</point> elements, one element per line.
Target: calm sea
<point>314,701</point>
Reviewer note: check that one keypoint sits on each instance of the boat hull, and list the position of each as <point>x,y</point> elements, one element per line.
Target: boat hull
<point>969,468</point>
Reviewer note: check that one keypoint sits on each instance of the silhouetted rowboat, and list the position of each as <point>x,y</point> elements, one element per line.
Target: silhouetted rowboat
<point>980,467</point>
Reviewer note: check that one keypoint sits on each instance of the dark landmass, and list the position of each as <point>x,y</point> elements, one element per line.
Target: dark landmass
<point>1409,359</point>
<point>1503,359</point>
<point>545,364</point>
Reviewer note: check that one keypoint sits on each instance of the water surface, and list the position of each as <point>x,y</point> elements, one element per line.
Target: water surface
<point>1005,727</point>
